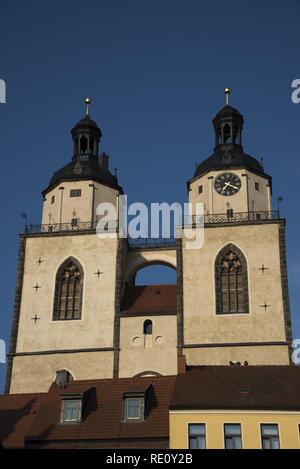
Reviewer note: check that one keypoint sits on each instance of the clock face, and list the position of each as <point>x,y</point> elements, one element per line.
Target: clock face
<point>227,184</point>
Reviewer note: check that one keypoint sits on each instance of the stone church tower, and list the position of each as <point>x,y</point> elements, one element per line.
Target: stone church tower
<point>77,310</point>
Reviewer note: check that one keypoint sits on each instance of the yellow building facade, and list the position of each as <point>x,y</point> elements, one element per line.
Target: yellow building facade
<point>236,407</point>
<point>251,425</point>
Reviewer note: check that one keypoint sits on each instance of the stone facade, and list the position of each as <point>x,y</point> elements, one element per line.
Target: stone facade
<point>107,341</point>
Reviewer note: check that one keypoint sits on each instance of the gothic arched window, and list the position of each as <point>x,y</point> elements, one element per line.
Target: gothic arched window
<point>231,281</point>
<point>68,291</point>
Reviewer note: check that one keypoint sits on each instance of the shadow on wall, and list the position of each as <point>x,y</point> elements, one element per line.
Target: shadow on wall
<point>14,424</point>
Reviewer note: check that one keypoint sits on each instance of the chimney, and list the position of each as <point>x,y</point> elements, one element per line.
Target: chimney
<point>181,367</point>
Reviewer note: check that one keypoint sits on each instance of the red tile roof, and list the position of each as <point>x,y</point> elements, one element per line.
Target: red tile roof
<point>150,299</point>
<point>17,412</point>
<point>238,387</point>
<point>103,413</point>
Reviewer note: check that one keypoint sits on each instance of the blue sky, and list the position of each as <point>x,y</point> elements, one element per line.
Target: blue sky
<point>156,72</point>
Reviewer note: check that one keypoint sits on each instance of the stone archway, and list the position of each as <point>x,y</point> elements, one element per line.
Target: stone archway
<point>138,260</point>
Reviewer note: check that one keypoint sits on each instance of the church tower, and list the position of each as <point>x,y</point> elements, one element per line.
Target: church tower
<point>235,295</point>
<point>66,282</point>
<point>77,312</point>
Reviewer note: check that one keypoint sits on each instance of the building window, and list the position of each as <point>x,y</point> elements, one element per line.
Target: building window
<point>52,199</point>
<point>75,192</point>
<point>68,291</point>
<point>71,411</point>
<point>197,438</point>
<point>269,436</point>
<point>74,222</point>
<point>147,327</point>
<point>231,281</point>
<point>71,408</point>
<point>200,189</point>
<point>256,186</point>
<point>233,436</point>
<point>229,212</point>
<point>134,407</point>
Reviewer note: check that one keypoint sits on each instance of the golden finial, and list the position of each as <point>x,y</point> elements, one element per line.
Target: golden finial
<point>227,92</point>
<point>87,102</point>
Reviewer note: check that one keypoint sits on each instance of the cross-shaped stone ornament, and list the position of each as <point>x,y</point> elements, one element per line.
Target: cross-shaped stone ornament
<point>98,273</point>
<point>35,318</point>
<point>265,305</point>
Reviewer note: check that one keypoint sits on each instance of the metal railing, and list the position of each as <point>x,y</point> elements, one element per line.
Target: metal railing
<point>146,243</point>
<point>67,227</point>
<point>192,220</point>
<point>231,217</point>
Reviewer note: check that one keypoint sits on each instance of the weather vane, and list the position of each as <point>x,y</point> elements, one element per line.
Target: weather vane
<point>227,92</point>
<point>88,102</point>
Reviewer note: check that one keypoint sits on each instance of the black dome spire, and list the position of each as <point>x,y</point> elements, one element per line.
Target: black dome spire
<point>86,135</point>
<point>85,164</point>
<point>228,125</point>
<point>228,150</point>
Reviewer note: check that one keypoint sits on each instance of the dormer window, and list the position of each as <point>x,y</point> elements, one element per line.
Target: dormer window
<point>71,408</point>
<point>227,159</point>
<point>136,402</point>
<point>134,407</point>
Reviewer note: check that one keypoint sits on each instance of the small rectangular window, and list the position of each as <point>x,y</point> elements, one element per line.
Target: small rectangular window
<point>233,436</point>
<point>269,436</point>
<point>257,186</point>
<point>74,222</point>
<point>71,411</point>
<point>52,199</point>
<point>197,439</point>
<point>200,189</point>
<point>134,408</point>
<point>75,193</point>
<point>230,212</point>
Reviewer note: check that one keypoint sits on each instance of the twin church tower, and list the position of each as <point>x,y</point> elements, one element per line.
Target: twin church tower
<point>78,312</point>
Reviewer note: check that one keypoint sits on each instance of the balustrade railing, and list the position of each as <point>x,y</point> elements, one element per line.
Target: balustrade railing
<point>138,243</point>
